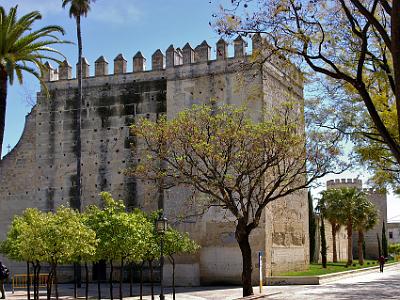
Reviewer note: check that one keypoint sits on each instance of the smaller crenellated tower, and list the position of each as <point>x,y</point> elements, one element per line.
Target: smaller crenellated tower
<point>377,197</point>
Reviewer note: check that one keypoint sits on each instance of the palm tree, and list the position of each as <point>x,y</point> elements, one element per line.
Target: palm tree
<point>330,206</point>
<point>365,218</point>
<point>349,201</point>
<point>23,50</point>
<point>77,9</point>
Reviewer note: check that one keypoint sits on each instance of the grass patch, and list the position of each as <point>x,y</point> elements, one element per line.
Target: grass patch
<point>316,269</point>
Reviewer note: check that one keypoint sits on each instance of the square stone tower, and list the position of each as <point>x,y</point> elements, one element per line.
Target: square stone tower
<point>40,170</point>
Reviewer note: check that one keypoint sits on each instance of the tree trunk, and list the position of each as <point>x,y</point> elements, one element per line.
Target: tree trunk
<point>151,279</point>
<point>34,280</point>
<point>131,280</point>
<point>121,277</point>
<point>242,236</point>
<point>78,119</point>
<point>49,282</point>
<point>98,284</point>
<point>55,280</point>
<point>86,281</point>
<point>173,276</point>
<point>36,271</point>
<point>75,280</point>
<point>395,35</point>
<point>360,247</point>
<point>349,244</point>
<point>28,284</point>
<point>334,229</point>
<point>111,280</point>
<point>78,203</point>
<point>141,280</point>
<point>323,242</point>
<point>3,104</point>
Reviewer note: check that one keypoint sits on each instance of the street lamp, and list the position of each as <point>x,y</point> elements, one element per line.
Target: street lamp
<point>161,226</point>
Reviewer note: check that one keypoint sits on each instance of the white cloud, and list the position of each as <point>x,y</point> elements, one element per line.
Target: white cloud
<point>107,11</point>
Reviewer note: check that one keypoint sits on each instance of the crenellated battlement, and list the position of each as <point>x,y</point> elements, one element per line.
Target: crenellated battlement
<point>349,182</point>
<point>173,58</point>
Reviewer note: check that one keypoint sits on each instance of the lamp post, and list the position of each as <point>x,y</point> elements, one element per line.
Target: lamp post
<point>161,226</point>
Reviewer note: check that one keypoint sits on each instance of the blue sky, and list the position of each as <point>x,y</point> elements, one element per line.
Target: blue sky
<point>125,26</point>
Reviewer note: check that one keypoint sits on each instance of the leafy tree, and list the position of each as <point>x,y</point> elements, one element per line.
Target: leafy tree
<point>379,245</point>
<point>353,46</point>
<point>177,243</point>
<point>240,165</point>
<point>331,207</point>
<point>311,226</point>
<point>55,238</point>
<point>65,238</point>
<point>25,242</point>
<point>23,50</point>
<point>324,248</point>
<point>384,240</point>
<point>366,217</point>
<point>134,233</point>
<point>105,222</point>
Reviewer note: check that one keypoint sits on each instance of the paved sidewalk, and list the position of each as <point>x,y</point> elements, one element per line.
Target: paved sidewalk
<point>362,286</point>
<point>182,293</point>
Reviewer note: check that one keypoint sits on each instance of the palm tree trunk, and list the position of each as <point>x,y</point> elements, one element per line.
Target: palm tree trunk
<point>3,103</point>
<point>78,204</point>
<point>78,112</point>
<point>334,227</point>
<point>349,244</point>
<point>360,247</point>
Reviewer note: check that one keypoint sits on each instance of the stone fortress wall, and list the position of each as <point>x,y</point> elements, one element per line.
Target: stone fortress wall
<point>40,170</point>
<point>380,201</point>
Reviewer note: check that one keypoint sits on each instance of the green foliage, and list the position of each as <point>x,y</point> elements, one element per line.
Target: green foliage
<point>24,49</point>
<point>349,207</point>
<point>394,249</point>
<point>122,235</point>
<point>55,238</point>
<point>176,242</point>
<point>311,226</point>
<point>77,7</point>
<point>384,240</point>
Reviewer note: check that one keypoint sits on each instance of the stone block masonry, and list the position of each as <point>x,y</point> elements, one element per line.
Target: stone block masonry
<point>40,170</point>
